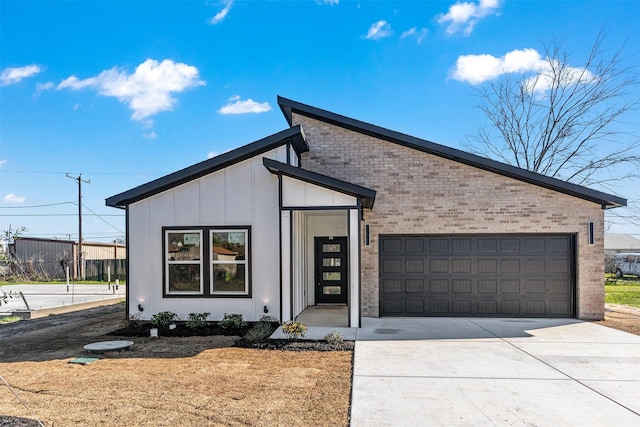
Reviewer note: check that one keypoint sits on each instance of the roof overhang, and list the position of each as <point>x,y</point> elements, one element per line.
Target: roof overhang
<point>366,196</point>
<point>606,201</point>
<point>294,136</point>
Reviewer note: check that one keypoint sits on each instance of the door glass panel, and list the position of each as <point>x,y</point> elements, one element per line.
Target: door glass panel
<point>331,247</point>
<point>331,262</point>
<point>331,275</point>
<point>331,290</point>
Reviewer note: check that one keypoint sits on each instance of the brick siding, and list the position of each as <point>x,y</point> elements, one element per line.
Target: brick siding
<point>418,193</point>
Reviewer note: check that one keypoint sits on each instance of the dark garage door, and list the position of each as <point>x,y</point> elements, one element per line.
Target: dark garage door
<point>477,275</point>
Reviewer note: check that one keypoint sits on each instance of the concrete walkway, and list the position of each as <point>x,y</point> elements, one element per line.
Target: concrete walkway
<point>472,372</point>
<point>45,299</point>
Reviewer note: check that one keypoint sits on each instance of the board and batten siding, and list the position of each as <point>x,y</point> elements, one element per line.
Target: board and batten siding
<point>244,194</point>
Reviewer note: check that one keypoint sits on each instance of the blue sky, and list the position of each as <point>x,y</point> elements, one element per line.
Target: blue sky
<point>124,92</point>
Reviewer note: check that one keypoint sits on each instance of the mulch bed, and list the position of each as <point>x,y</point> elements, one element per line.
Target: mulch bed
<point>181,330</point>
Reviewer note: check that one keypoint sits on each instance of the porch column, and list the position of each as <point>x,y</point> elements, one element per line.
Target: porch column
<point>354,268</point>
<point>285,265</point>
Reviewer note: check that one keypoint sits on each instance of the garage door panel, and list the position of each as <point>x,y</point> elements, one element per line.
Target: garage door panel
<point>392,286</point>
<point>461,266</point>
<point>414,286</point>
<point>438,266</point>
<point>488,287</point>
<point>510,286</point>
<point>392,266</point>
<point>489,266</point>
<point>510,266</point>
<point>476,275</point>
<point>414,266</point>
<point>439,286</point>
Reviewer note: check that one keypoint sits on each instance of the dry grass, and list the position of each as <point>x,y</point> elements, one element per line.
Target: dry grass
<point>198,381</point>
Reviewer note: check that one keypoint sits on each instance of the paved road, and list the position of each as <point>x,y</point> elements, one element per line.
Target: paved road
<point>499,372</point>
<point>44,296</point>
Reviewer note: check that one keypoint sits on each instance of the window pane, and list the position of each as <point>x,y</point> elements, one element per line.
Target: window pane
<point>331,275</point>
<point>331,262</point>
<point>184,277</point>
<point>331,290</point>
<point>229,278</point>
<point>229,245</point>
<point>332,247</point>
<point>183,246</point>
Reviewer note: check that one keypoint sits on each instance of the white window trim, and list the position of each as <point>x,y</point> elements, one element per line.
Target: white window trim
<point>244,262</point>
<point>169,262</point>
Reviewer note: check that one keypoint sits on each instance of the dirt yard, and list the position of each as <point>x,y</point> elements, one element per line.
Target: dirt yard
<point>191,381</point>
<point>622,317</point>
<point>202,381</point>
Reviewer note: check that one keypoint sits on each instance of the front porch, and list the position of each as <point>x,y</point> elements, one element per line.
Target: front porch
<point>321,320</point>
<point>319,242</point>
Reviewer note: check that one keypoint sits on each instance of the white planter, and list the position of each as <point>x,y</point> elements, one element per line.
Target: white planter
<point>153,332</point>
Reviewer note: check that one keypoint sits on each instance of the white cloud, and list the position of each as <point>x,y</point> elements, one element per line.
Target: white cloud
<point>2,162</point>
<point>463,16</point>
<point>13,75</point>
<point>414,32</point>
<point>41,87</point>
<point>147,91</point>
<point>379,30</point>
<point>329,2</point>
<point>237,106</point>
<point>219,17</point>
<point>150,135</point>
<point>13,198</point>
<point>476,69</point>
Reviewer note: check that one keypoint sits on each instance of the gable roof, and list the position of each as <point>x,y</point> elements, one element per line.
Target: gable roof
<point>607,201</point>
<point>366,195</point>
<point>294,136</point>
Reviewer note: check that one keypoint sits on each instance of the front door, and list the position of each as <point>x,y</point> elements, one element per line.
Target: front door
<point>331,270</point>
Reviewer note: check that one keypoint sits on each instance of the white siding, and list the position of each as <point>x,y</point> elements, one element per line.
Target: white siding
<point>244,194</point>
<point>296,193</point>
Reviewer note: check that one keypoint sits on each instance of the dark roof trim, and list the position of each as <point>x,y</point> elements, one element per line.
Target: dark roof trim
<point>366,195</point>
<point>294,136</point>
<point>607,201</point>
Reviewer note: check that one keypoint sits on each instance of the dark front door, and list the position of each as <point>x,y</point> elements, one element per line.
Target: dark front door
<point>331,270</point>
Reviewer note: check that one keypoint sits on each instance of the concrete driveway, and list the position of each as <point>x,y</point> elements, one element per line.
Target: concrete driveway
<point>477,372</point>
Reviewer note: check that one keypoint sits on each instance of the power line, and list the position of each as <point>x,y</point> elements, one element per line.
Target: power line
<point>37,206</point>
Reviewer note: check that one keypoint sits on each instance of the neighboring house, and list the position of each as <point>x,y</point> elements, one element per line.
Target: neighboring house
<point>46,254</point>
<point>615,243</point>
<point>337,211</point>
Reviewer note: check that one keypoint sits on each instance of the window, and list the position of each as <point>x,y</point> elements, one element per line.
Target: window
<point>229,262</point>
<point>183,262</point>
<point>207,262</point>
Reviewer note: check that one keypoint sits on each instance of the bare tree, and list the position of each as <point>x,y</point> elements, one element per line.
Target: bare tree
<point>564,121</point>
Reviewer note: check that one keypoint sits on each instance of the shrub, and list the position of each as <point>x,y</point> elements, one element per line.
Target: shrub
<point>268,319</point>
<point>134,321</point>
<point>164,319</point>
<point>197,320</point>
<point>230,321</point>
<point>259,333</point>
<point>334,338</point>
<point>293,329</point>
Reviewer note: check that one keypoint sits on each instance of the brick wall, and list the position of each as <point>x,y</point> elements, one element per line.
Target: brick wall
<point>418,193</point>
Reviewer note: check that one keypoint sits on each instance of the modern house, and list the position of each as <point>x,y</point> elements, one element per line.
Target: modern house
<point>333,210</point>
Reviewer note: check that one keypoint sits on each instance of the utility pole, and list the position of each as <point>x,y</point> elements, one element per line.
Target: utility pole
<point>79,180</point>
